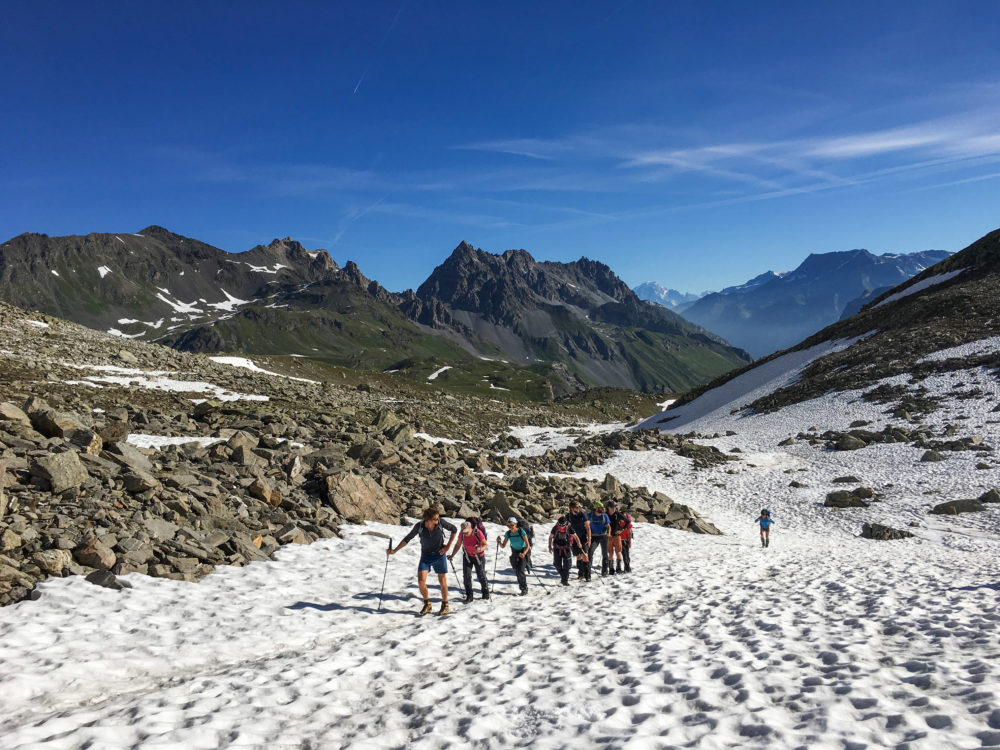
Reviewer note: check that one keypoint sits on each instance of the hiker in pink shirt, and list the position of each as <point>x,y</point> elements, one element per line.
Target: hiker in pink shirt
<point>472,542</point>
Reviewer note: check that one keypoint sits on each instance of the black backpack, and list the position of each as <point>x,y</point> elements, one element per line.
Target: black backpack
<point>562,541</point>
<point>522,524</point>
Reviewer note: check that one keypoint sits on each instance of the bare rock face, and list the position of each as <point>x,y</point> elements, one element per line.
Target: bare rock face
<point>359,498</point>
<point>61,470</point>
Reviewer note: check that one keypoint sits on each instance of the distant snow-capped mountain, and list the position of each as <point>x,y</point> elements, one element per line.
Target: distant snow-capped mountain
<point>774,310</point>
<point>671,298</point>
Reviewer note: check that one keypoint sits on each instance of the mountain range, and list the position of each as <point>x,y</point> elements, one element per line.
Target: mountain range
<point>494,317</point>
<point>670,298</point>
<point>775,310</point>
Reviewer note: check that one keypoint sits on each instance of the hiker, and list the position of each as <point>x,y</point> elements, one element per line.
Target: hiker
<point>620,536</point>
<point>599,526</point>
<point>519,549</point>
<point>433,551</point>
<point>472,542</point>
<point>765,521</point>
<point>581,527</point>
<point>562,540</point>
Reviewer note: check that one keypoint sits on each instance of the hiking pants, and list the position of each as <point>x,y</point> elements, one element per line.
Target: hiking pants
<point>562,559</point>
<point>599,540</point>
<point>626,554</point>
<point>479,563</point>
<point>520,565</point>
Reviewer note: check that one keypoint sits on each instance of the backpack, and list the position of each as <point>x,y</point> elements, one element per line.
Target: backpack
<point>478,525</point>
<point>562,540</point>
<point>624,525</point>
<point>522,524</point>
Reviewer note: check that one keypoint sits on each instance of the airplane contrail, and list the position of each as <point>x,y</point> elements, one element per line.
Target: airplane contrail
<point>381,43</point>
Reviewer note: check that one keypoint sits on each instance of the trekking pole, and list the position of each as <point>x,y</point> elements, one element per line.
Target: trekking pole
<point>383,578</point>
<point>459,585</point>
<point>537,578</point>
<point>496,557</point>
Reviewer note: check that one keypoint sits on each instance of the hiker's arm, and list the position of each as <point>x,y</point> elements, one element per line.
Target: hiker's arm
<point>552,536</point>
<point>407,538</point>
<point>447,545</point>
<point>502,542</point>
<point>527,547</point>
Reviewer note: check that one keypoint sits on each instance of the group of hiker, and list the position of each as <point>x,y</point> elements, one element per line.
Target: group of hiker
<point>578,535</point>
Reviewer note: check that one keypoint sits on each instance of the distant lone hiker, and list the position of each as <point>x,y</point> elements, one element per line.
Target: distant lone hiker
<point>432,555</point>
<point>765,521</point>
<point>520,546</point>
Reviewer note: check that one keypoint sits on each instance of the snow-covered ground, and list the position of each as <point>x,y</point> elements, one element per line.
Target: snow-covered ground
<point>823,640</point>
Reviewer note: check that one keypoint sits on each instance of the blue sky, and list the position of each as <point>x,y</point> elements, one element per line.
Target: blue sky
<point>693,144</point>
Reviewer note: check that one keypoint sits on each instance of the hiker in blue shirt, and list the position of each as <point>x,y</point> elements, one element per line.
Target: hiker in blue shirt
<point>432,554</point>
<point>600,525</point>
<point>520,546</point>
<point>765,521</point>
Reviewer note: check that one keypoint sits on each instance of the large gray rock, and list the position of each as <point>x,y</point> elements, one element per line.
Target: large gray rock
<point>53,561</point>
<point>991,496</point>
<point>10,413</point>
<point>127,455</point>
<point>882,533</point>
<point>55,424</point>
<point>844,499</point>
<point>61,470</point>
<point>359,498</point>
<point>954,507</point>
<point>850,443</point>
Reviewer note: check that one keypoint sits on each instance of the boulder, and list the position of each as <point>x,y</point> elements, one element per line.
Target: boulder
<point>849,479</point>
<point>931,456</point>
<point>104,579</point>
<point>61,471</point>
<point>127,455</point>
<point>113,431</point>
<point>991,496</point>
<point>54,424</point>
<point>10,413</point>
<point>850,443</point>
<point>844,499</point>
<point>882,533</point>
<point>954,507</point>
<point>94,554</point>
<point>86,440</point>
<point>358,498</point>
<point>263,490</point>
<point>53,561</point>
<point>140,481</point>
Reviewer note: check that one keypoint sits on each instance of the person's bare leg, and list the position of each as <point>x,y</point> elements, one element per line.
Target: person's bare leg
<point>443,580</point>
<point>422,583</point>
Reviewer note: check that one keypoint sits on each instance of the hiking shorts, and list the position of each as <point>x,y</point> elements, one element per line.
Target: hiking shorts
<point>437,563</point>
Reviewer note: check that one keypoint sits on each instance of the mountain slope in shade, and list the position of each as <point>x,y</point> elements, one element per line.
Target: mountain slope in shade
<point>774,311</point>
<point>577,313</point>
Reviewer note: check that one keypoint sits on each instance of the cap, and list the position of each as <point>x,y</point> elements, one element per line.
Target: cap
<point>512,520</point>
<point>562,520</point>
<point>612,504</point>
<point>466,526</point>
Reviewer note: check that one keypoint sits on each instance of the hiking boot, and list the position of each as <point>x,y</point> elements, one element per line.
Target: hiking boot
<point>468,598</point>
<point>524,592</point>
<point>426,608</point>
<point>604,570</point>
<point>767,542</point>
<point>619,568</point>
<point>444,608</point>
<point>486,595</point>
<point>628,568</point>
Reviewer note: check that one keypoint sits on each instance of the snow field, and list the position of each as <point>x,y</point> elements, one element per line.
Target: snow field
<point>711,642</point>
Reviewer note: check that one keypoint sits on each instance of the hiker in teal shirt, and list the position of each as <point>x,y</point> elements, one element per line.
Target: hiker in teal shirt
<point>519,549</point>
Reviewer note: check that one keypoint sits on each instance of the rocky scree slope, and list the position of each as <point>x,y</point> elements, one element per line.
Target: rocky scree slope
<point>268,461</point>
<point>774,311</point>
<point>577,322</point>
